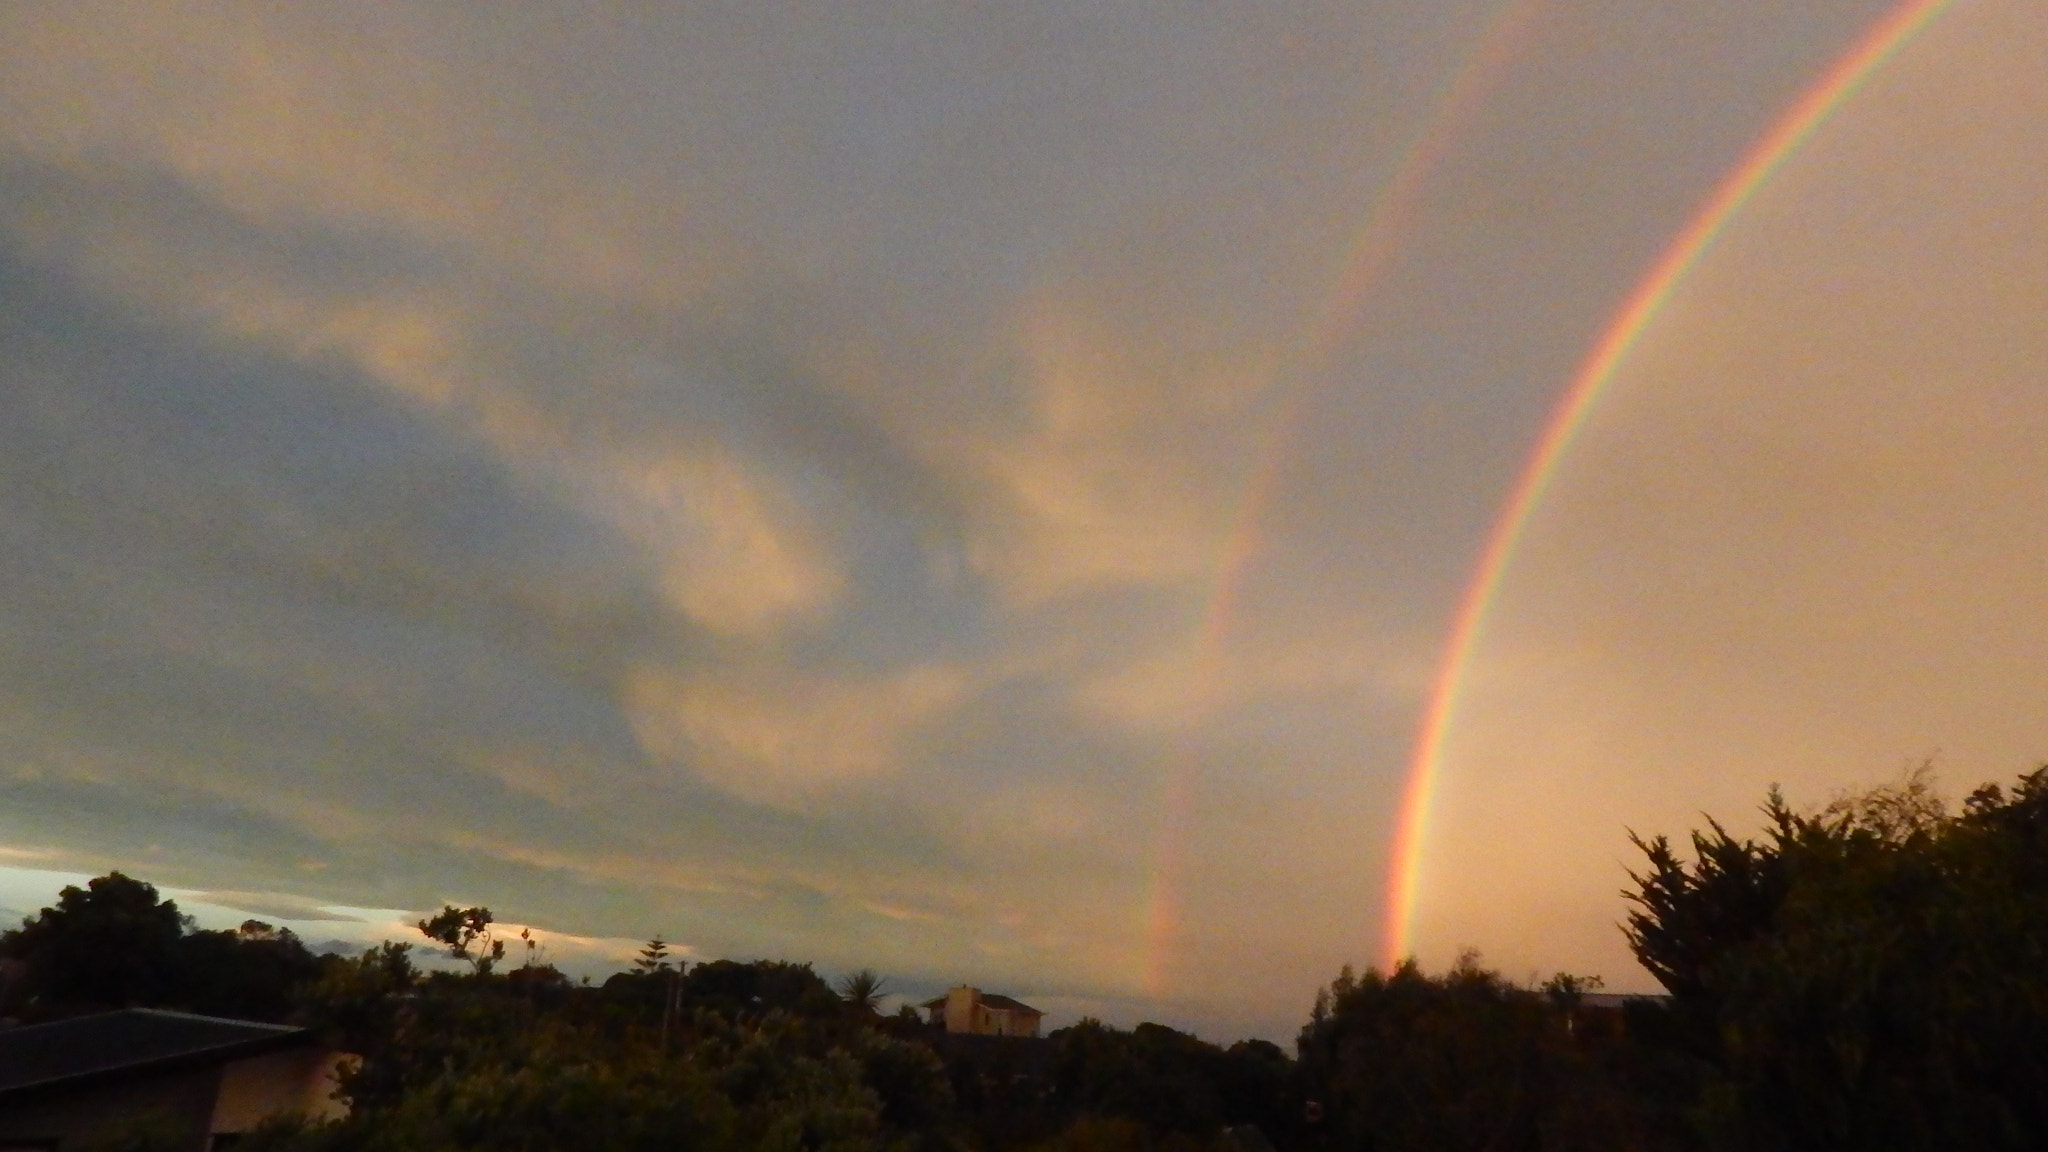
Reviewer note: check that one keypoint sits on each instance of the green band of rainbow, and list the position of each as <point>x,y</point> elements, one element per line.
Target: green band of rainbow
<point>1841,81</point>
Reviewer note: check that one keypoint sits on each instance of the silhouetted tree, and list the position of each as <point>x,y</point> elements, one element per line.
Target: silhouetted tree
<point>732,988</point>
<point>252,972</point>
<point>862,991</point>
<point>653,957</point>
<point>112,944</point>
<point>466,932</point>
<point>1469,1061</point>
<point>1869,976</point>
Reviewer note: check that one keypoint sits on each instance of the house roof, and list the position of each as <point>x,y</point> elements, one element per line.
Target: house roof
<point>88,1047</point>
<point>1615,1001</point>
<point>991,1000</point>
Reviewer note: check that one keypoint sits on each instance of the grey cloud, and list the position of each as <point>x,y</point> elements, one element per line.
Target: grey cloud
<point>278,905</point>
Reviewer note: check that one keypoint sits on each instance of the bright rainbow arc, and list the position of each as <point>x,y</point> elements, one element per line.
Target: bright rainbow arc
<point>1372,250</point>
<point>1792,129</point>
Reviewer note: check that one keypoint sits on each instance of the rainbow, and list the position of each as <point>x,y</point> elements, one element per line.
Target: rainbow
<point>1870,52</point>
<point>1371,251</point>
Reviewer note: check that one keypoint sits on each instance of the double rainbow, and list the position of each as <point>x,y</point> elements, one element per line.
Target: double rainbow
<point>1374,248</point>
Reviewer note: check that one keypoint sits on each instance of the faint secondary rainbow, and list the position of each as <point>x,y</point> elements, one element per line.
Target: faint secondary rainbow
<point>1370,252</point>
<point>1870,52</point>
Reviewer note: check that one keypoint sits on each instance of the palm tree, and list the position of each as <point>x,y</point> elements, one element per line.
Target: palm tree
<point>862,991</point>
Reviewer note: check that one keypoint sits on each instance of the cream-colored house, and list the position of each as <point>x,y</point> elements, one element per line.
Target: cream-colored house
<point>195,1081</point>
<point>981,1013</point>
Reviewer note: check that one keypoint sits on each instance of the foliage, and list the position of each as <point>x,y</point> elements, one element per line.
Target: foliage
<point>1160,1078</point>
<point>1871,974</point>
<point>467,934</point>
<point>251,972</point>
<point>732,989</point>
<point>116,944</point>
<point>468,1063</point>
<point>111,944</point>
<point>359,1005</point>
<point>1466,1060</point>
<point>1092,1084</point>
<point>863,990</point>
<point>146,1131</point>
<point>1868,976</point>
<point>654,957</point>
<point>1115,1134</point>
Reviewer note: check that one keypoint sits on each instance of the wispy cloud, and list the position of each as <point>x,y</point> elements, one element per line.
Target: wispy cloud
<point>277,905</point>
<point>790,739</point>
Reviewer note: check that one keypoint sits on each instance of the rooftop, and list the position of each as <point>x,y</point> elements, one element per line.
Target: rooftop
<point>990,1000</point>
<point>1615,1001</point>
<point>89,1046</point>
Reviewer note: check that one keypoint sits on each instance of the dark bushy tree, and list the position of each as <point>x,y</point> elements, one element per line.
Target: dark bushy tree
<point>111,944</point>
<point>1256,1084</point>
<point>1163,1079</point>
<point>732,988</point>
<point>252,973</point>
<point>1870,976</point>
<point>1408,1062</point>
<point>116,943</point>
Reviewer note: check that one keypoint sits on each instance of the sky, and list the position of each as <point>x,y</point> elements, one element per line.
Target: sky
<point>1014,494</point>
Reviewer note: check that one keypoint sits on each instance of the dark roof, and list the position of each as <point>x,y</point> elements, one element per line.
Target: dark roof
<point>134,1039</point>
<point>1615,1001</point>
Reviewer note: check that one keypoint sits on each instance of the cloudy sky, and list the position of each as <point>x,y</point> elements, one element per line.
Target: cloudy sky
<point>984,491</point>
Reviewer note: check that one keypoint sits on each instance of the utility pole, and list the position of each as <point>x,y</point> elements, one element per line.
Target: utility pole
<point>670,1001</point>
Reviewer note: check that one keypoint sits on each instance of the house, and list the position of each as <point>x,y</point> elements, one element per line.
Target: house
<point>196,1081</point>
<point>981,1013</point>
<point>1618,1001</point>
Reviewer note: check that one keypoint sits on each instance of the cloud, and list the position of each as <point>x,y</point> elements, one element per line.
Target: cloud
<point>276,905</point>
<point>1115,481</point>
<point>730,559</point>
<point>632,498</point>
<point>786,739</point>
<point>764,474</point>
<point>732,551</point>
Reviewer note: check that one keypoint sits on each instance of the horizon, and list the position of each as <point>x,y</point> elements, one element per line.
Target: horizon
<point>1135,509</point>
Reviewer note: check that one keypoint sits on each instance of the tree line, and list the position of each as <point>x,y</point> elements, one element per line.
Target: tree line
<point>1869,975</point>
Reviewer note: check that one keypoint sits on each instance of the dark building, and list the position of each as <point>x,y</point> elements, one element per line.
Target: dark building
<point>196,1081</point>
